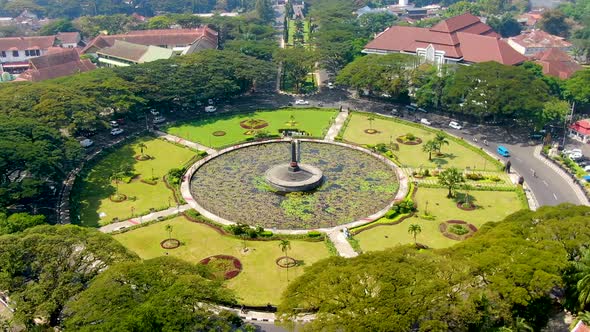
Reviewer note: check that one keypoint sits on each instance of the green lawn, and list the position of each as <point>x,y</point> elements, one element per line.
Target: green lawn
<point>493,206</point>
<point>261,280</point>
<point>315,122</point>
<point>92,194</point>
<point>412,155</point>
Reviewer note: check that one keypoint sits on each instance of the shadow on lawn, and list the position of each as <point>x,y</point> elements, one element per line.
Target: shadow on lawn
<point>95,184</point>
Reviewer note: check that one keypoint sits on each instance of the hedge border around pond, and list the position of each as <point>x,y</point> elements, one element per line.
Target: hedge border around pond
<point>416,141</point>
<point>175,243</point>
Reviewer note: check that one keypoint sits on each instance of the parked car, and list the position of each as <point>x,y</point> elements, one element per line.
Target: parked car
<point>536,135</point>
<point>503,151</point>
<point>154,112</point>
<point>210,101</point>
<point>570,151</point>
<point>420,109</point>
<point>411,108</point>
<point>575,156</point>
<point>210,109</point>
<point>301,102</point>
<point>120,121</point>
<point>425,122</point>
<point>587,168</point>
<point>199,103</point>
<point>114,124</point>
<point>116,131</point>
<point>394,112</point>
<point>159,119</point>
<point>86,143</point>
<point>330,85</point>
<point>455,125</point>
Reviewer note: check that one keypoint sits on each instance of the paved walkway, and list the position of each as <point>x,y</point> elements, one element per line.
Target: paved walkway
<point>184,142</point>
<point>337,125</point>
<point>567,179</point>
<point>143,219</point>
<point>342,245</point>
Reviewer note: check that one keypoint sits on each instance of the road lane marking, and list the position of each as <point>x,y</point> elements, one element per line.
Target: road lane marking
<point>555,196</point>
<point>518,159</point>
<point>545,183</point>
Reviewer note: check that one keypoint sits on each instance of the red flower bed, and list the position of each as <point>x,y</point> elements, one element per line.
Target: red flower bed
<point>227,266</point>
<point>446,231</point>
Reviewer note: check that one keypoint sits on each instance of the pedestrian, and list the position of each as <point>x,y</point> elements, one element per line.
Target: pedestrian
<point>485,142</point>
<point>534,174</point>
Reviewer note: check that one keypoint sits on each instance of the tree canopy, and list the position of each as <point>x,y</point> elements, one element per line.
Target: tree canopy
<point>43,267</point>
<point>160,294</point>
<point>505,275</point>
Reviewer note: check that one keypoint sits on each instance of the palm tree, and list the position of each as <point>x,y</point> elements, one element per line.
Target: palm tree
<point>169,230</point>
<point>583,276</point>
<point>141,147</point>
<point>414,229</point>
<point>370,119</point>
<point>450,178</point>
<point>116,177</point>
<point>441,139</point>
<point>430,147</point>
<point>285,246</point>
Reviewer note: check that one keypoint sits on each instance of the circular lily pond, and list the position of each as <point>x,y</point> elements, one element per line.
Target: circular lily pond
<point>355,185</point>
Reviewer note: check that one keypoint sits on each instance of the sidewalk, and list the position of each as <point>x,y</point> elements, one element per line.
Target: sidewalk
<point>342,246</point>
<point>193,145</point>
<point>337,125</point>
<point>143,219</point>
<point>566,177</point>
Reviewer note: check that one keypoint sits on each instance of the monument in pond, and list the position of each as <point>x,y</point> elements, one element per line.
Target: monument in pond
<point>294,176</point>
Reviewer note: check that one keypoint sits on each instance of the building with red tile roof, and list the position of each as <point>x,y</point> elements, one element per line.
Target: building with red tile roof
<point>557,63</point>
<point>580,327</point>
<point>57,64</point>
<point>535,41</point>
<point>179,40</point>
<point>459,39</point>
<point>580,130</point>
<point>530,19</point>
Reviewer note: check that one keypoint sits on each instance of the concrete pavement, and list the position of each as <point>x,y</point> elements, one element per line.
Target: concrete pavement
<point>179,140</point>
<point>143,219</point>
<point>337,125</point>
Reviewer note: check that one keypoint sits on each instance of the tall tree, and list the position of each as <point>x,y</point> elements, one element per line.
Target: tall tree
<point>297,62</point>
<point>451,178</point>
<point>554,22</point>
<point>430,147</point>
<point>264,10</point>
<point>414,229</point>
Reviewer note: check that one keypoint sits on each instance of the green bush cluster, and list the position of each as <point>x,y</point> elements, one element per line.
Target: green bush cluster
<point>405,206</point>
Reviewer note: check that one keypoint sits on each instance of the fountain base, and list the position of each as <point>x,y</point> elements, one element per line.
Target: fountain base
<point>284,178</point>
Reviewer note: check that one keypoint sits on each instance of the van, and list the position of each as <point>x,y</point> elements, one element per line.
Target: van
<point>411,108</point>
<point>86,143</point>
<point>503,151</point>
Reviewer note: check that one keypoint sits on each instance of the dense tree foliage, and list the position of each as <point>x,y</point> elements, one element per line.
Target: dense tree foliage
<point>42,267</point>
<point>554,22</point>
<point>508,274</point>
<point>33,156</point>
<point>374,23</point>
<point>160,294</point>
<point>297,62</point>
<point>18,222</point>
<point>505,25</point>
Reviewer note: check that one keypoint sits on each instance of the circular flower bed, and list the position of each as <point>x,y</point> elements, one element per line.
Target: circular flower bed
<point>223,266</point>
<point>409,140</point>
<point>253,124</point>
<point>466,206</point>
<point>219,133</point>
<point>142,157</point>
<point>286,262</point>
<point>170,244</point>
<point>118,198</point>
<point>457,229</point>
<point>371,131</point>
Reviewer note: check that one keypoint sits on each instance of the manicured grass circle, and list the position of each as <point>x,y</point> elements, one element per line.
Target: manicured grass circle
<point>451,230</point>
<point>253,124</point>
<point>404,140</point>
<point>371,131</point>
<point>118,198</point>
<point>286,262</point>
<point>143,157</point>
<point>470,207</point>
<point>224,266</point>
<point>219,133</point>
<point>170,244</point>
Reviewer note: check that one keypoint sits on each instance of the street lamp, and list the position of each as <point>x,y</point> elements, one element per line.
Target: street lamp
<point>570,118</point>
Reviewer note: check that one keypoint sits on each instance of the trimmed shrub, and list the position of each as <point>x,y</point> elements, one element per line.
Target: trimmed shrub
<point>314,234</point>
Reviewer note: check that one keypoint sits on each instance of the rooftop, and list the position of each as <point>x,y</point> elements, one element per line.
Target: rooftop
<point>557,63</point>
<point>136,52</point>
<point>462,37</point>
<point>540,39</point>
<point>583,127</point>
<point>55,65</point>
<point>26,43</point>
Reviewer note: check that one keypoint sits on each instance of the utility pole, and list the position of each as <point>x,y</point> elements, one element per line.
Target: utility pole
<point>570,117</point>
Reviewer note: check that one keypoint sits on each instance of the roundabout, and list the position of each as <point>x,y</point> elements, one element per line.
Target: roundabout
<point>326,184</point>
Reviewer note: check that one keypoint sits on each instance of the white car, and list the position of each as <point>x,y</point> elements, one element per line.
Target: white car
<point>575,155</point>
<point>86,143</point>
<point>578,151</point>
<point>159,119</point>
<point>154,112</point>
<point>301,102</point>
<point>114,124</point>
<point>455,125</point>
<point>330,85</point>
<point>116,131</point>
<point>210,109</point>
<point>587,168</point>
<point>425,122</point>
